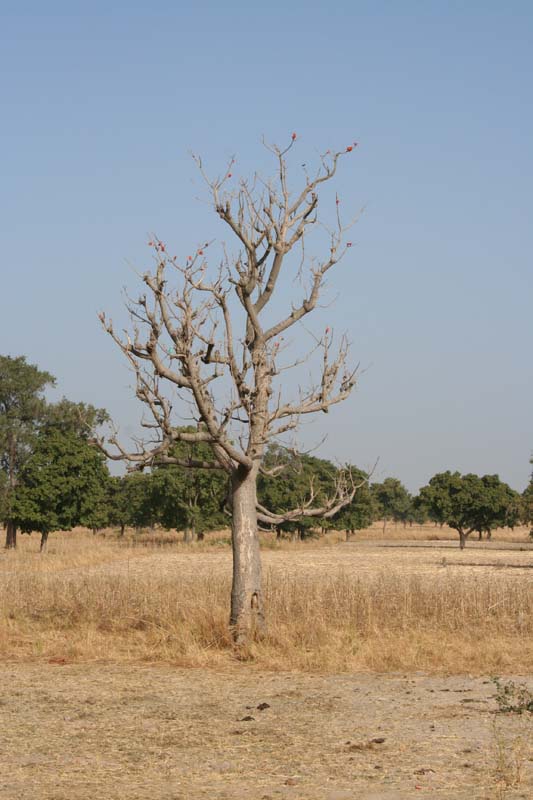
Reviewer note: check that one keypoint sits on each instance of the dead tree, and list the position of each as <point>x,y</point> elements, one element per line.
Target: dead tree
<point>211,340</point>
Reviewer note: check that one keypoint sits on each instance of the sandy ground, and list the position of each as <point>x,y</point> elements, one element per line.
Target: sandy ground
<point>99,733</point>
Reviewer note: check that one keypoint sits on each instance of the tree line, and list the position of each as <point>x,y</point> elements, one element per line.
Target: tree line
<point>53,478</point>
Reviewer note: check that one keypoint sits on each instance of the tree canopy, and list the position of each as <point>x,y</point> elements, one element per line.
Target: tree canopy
<point>468,503</point>
<point>22,407</point>
<point>62,484</point>
<point>393,501</point>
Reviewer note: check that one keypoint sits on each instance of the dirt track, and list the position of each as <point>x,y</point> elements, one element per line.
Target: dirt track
<point>99,733</point>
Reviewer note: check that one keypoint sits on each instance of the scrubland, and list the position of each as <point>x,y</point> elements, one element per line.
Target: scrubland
<point>409,601</point>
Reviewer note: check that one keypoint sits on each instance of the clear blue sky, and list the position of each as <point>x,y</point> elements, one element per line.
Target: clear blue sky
<point>101,103</point>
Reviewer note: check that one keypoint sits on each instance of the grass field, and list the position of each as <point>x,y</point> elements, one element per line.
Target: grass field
<point>372,604</point>
<point>119,679</point>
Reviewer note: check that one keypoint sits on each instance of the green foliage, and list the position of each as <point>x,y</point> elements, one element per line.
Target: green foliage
<point>393,501</point>
<point>513,697</point>
<point>133,500</point>
<point>362,510</point>
<point>526,505</point>
<point>176,497</point>
<point>188,498</point>
<point>302,476</point>
<point>469,503</point>
<point>22,407</point>
<point>62,484</point>
<point>81,419</point>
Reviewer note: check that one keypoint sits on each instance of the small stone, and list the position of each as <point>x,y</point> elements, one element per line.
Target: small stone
<point>378,740</point>
<point>263,706</point>
<point>290,782</point>
<point>247,718</point>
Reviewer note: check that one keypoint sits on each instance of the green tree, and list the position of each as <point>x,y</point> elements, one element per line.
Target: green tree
<point>526,505</point>
<point>501,506</point>
<point>298,480</point>
<point>138,488</point>
<point>393,501</point>
<point>190,500</point>
<point>118,502</point>
<point>22,406</point>
<point>62,484</point>
<point>468,503</point>
<point>362,510</point>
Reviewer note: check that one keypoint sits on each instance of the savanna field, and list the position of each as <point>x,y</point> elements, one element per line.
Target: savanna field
<point>120,678</point>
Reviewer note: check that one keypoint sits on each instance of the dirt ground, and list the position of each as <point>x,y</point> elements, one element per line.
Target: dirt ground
<point>78,732</point>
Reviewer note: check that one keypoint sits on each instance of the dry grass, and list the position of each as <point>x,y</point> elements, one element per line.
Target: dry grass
<point>330,608</point>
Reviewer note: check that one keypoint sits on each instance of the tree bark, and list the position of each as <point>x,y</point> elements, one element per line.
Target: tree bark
<point>11,535</point>
<point>462,540</point>
<point>122,529</point>
<point>247,613</point>
<point>44,540</point>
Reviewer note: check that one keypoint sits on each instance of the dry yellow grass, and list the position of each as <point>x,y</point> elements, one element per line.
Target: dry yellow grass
<point>331,607</point>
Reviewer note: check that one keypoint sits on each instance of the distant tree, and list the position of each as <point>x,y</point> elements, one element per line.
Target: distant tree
<point>526,505</point>
<point>62,484</point>
<point>299,481</point>
<point>118,502</point>
<point>22,406</point>
<point>82,419</point>
<point>418,512</point>
<point>362,510</point>
<point>139,489</point>
<point>468,503</point>
<point>501,506</point>
<point>190,500</point>
<point>392,499</point>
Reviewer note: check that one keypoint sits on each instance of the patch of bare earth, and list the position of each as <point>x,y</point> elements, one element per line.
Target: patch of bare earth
<point>74,732</point>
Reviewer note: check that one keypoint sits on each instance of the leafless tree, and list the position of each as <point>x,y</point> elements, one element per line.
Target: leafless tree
<point>211,340</point>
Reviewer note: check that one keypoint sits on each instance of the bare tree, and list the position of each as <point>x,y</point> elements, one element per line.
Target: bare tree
<point>214,341</point>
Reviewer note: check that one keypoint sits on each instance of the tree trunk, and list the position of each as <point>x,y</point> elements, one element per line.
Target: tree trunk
<point>201,536</point>
<point>122,529</point>
<point>462,540</point>
<point>44,540</point>
<point>349,534</point>
<point>247,614</point>
<point>11,535</point>
<point>480,536</point>
<point>384,525</point>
